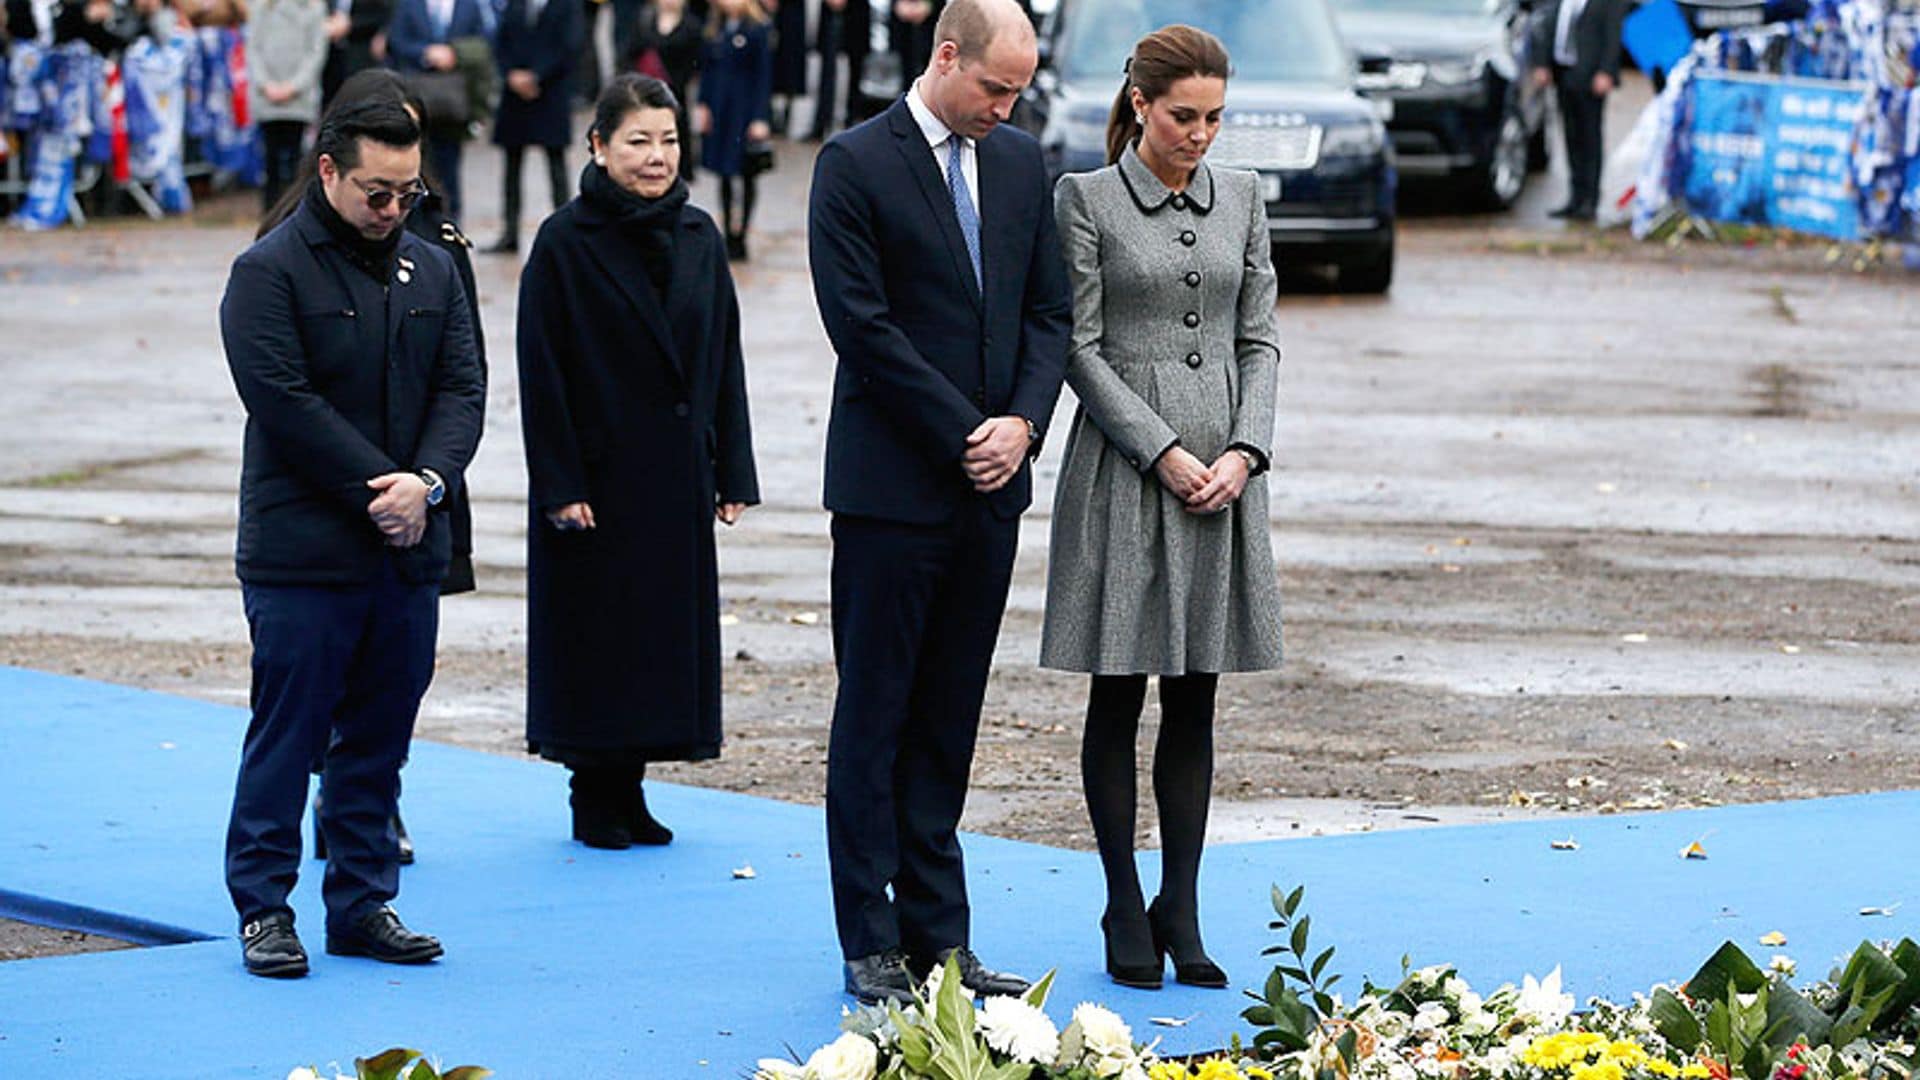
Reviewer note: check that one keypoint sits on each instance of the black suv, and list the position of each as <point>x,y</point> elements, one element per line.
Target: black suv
<point>1292,115</point>
<point>1455,75</point>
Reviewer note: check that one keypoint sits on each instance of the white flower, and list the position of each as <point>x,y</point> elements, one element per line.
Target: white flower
<point>303,1073</point>
<point>1019,1030</point>
<point>1104,1033</point>
<point>849,1057</point>
<point>1430,1016</point>
<point>1783,964</point>
<point>770,1069</point>
<point>1543,1000</point>
<point>931,988</point>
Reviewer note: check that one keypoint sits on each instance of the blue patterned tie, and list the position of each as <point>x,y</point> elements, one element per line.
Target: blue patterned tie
<point>963,202</point>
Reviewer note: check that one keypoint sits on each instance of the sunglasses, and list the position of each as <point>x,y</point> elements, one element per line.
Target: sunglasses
<point>381,198</point>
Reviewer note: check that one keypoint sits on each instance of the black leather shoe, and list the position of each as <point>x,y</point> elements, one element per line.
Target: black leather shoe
<point>1133,958</point>
<point>381,935</point>
<point>975,976</point>
<point>600,809</point>
<point>271,949</point>
<point>1191,965</point>
<point>880,979</point>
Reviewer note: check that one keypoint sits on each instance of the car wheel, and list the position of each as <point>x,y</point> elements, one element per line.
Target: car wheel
<point>1500,179</point>
<point>1371,274</point>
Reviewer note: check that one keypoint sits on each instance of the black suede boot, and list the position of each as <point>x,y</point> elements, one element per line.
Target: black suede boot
<point>599,809</point>
<point>641,824</point>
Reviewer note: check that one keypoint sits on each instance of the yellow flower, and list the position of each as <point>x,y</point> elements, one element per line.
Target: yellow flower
<point>1255,1072</point>
<point>1693,1070</point>
<point>1663,1067</point>
<point>1624,1053</point>
<point>1217,1069</point>
<point>1167,1070</point>
<point>1605,1070</point>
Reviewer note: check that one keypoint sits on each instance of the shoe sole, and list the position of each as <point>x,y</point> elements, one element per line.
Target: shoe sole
<point>1137,984</point>
<point>336,948</point>
<point>292,969</point>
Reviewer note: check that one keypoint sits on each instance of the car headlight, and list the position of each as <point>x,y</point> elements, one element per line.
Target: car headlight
<point>1359,139</point>
<point>1456,72</point>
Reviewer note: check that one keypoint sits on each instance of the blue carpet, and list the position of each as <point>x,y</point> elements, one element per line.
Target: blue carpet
<point>659,963</point>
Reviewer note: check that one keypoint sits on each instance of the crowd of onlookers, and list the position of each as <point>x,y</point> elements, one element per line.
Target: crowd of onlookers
<point>117,105</point>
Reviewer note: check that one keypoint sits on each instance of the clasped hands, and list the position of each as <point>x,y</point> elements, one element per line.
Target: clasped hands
<point>995,451</point>
<point>400,508</point>
<point>1206,489</point>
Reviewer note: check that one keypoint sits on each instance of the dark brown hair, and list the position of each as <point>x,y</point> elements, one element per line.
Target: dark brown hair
<point>1159,60</point>
<point>629,93</point>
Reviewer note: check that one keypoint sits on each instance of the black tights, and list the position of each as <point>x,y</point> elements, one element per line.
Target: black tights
<point>1182,787</point>
<point>749,189</point>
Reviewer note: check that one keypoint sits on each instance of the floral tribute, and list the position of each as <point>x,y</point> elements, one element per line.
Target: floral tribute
<point>1733,1020</point>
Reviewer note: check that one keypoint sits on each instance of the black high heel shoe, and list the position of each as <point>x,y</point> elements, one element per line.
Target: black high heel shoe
<point>1191,965</point>
<point>1124,964</point>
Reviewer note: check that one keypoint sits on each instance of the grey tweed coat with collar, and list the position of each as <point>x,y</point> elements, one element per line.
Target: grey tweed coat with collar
<point>1173,342</point>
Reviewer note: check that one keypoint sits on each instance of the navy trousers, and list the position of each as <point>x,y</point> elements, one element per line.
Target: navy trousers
<point>338,674</point>
<point>916,612</point>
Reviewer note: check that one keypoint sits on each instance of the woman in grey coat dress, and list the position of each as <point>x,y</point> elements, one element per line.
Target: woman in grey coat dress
<point>286,53</point>
<point>1160,561</point>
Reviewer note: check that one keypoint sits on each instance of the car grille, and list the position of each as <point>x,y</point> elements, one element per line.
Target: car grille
<point>1270,148</point>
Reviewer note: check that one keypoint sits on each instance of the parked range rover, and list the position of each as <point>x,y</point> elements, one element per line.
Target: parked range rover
<point>1292,115</point>
<point>1455,72</point>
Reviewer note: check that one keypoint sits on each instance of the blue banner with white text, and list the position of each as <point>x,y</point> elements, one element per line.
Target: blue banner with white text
<point>1779,152</point>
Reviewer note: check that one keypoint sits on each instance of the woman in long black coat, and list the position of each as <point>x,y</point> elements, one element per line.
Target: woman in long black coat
<point>634,404</point>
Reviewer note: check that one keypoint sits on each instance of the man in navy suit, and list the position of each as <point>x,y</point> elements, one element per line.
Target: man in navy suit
<point>940,282</point>
<point>421,39</point>
<point>352,348</point>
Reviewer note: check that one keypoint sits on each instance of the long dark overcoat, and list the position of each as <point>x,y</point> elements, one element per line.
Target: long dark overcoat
<point>547,46</point>
<point>640,410</point>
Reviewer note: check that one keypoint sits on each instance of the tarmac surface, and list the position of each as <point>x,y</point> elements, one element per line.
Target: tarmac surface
<point>1564,522</point>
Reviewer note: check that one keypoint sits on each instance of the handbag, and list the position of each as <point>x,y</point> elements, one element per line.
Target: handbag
<point>757,157</point>
<point>444,93</point>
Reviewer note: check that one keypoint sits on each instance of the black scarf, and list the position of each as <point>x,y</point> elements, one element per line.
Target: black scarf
<point>375,257</point>
<point>650,222</point>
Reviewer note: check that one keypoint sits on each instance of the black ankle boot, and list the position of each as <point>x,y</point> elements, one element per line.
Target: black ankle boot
<point>599,810</point>
<point>641,824</point>
<point>736,247</point>
<point>1180,938</point>
<point>1133,957</point>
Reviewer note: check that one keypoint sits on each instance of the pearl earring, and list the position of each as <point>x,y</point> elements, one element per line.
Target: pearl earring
<point>600,161</point>
<point>1140,118</point>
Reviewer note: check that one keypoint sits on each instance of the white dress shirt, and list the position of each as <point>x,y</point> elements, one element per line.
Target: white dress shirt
<point>1563,52</point>
<point>937,135</point>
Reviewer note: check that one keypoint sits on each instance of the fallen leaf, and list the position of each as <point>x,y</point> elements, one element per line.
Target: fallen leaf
<point>729,619</point>
<point>1773,938</point>
<point>1569,844</point>
<point>1634,639</point>
<point>804,618</point>
<point>1693,851</point>
<point>1675,745</point>
<point>1789,649</point>
<point>1449,568</point>
<point>744,873</point>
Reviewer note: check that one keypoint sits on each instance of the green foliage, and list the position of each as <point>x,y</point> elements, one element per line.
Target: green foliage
<point>400,1063</point>
<point>1296,997</point>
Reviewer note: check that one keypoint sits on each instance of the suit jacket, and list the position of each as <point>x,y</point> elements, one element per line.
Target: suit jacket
<point>925,352</point>
<point>344,381</point>
<point>1595,33</point>
<point>412,30</point>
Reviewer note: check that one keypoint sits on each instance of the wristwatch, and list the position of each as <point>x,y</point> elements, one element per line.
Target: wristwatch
<point>436,487</point>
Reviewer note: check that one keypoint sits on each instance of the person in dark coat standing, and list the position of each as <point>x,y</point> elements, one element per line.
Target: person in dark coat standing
<point>845,30</point>
<point>666,43</point>
<point>535,47</point>
<point>910,31</point>
<point>352,25</point>
<point>351,346</point>
<point>633,400</point>
<point>938,274</point>
<point>736,84</point>
<point>430,222</point>
<point>1576,48</point>
<point>421,38</point>
<point>789,58</point>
